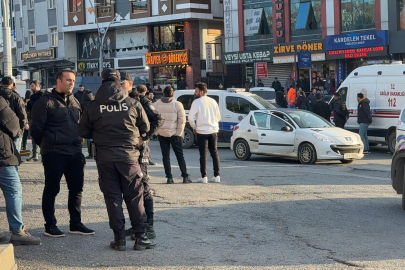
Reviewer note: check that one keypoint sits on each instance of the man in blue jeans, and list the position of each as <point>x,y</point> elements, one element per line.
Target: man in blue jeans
<point>9,179</point>
<point>364,119</point>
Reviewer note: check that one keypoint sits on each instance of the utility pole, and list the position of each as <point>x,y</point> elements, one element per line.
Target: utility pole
<point>8,64</point>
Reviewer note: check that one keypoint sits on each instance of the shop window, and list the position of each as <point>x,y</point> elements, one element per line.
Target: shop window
<point>306,15</point>
<point>75,5</point>
<point>401,14</point>
<point>239,105</point>
<point>139,6</point>
<point>32,39</point>
<point>171,33</point>
<point>357,14</point>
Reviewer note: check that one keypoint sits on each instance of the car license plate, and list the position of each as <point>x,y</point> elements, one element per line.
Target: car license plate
<point>349,156</point>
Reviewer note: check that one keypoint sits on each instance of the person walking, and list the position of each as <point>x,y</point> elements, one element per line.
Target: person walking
<point>84,97</point>
<point>276,85</point>
<point>340,113</point>
<point>291,97</point>
<point>364,119</point>
<point>171,133</point>
<point>17,105</point>
<point>10,182</point>
<point>55,119</point>
<point>204,117</point>
<point>321,108</point>
<point>36,95</point>
<point>119,127</point>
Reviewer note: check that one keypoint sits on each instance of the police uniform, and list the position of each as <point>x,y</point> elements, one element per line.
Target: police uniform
<point>115,122</point>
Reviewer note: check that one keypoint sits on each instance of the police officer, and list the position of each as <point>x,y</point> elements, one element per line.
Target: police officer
<point>118,126</point>
<point>155,120</point>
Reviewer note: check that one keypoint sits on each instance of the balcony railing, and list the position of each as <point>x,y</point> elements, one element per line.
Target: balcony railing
<point>166,47</point>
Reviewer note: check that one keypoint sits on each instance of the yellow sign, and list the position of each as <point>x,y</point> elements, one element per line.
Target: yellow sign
<point>81,66</point>
<point>304,46</point>
<point>170,58</point>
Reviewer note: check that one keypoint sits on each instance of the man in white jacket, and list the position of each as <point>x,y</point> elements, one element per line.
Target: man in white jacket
<point>204,118</point>
<point>171,132</point>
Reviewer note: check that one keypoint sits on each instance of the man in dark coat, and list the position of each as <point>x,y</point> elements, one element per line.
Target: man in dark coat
<point>119,127</point>
<point>259,83</point>
<point>55,120</point>
<point>17,105</point>
<point>364,119</point>
<point>340,113</point>
<point>276,85</point>
<point>280,99</point>
<point>312,100</point>
<point>321,108</point>
<point>9,179</point>
<point>36,95</point>
<point>182,84</point>
<point>84,97</point>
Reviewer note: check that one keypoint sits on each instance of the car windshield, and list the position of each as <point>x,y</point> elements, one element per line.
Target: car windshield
<point>263,102</point>
<point>308,120</point>
<point>265,94</point>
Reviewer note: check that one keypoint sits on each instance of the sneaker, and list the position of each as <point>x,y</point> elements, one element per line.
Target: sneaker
<point>216,179</point>
<point>3,239</point>
<point>80,229</point>
<point>32,159</point>
<point>187,180</point>
<point>170,180</point>
<point>203,180</point>
<point>23,237</point>
<point>54,232</point>
<point>89,157</point>
<point>150,232</point>
<point>143,243</point>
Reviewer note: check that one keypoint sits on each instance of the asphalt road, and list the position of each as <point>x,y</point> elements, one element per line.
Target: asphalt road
<point>266,213</point>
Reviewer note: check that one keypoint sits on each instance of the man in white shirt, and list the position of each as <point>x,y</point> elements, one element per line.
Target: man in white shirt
<point>204,118</point>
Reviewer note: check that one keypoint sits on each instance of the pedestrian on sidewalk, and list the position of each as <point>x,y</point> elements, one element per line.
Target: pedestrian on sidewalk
<point>204,117</point>
<point>17,105</point>
<point>364,119</point>
<point>119,127</point>
<point>36,95</point>
<point>84,97</point>
<point>171,133</point>
<point>340,113</point>
<point>55,120</point>
<point>155,121</point>
<point>10,182</point>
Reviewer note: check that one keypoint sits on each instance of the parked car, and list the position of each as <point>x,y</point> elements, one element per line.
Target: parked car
<point>266,93</point>
<point>294,133</point>
<point>234,105</point>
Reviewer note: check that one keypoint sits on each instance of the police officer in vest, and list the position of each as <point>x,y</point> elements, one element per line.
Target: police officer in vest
<point>118,126</point>
<point>155,120</point>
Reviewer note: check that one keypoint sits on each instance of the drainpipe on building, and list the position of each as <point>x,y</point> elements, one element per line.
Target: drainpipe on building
<point>8,64</point>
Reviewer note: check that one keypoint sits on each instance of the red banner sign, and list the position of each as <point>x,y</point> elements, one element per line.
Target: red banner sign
<point>356,53</point>
<point>261,70</point>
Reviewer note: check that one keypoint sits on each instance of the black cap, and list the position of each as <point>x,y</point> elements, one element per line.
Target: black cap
<point>109,74</point>
<point>125,76</point>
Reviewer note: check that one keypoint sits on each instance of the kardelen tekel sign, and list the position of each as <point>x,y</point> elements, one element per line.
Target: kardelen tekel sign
<point>356,40</point>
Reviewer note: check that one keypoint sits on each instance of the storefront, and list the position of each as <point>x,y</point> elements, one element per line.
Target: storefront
<point>168,67</point>
<point>44,65</point>
<point>356,49</point>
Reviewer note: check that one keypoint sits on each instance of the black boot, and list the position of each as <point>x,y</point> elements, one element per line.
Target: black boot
<point>150,232</point>
<point>119,240</point>
<point>142,242</point>
<point>170,180</point>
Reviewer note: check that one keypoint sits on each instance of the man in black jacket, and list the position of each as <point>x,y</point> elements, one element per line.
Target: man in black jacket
<point>276,85</point>
<point>364,119</point>
<point>17,105</point>
<point>84,97</point>
<point>9,179</point>
<point>155,120</point>
<point>36,95</point>
<point>119,127</point>
<point>340,113</point>
<point>55,119</point>
<point>321,108</point>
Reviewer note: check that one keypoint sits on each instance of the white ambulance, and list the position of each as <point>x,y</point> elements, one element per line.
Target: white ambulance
<point>234,105</point>
<point>384,86</point>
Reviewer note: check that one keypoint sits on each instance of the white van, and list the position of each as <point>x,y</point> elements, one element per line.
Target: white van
<point>267,93</point>
<point>384,86</point>
<point>234,105</point>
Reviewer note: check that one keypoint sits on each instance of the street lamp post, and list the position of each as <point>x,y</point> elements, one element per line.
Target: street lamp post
<point>8,65</point>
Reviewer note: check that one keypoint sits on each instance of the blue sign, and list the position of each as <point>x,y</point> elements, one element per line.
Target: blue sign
<point>304,60</point>
<point>356,40</point>
<point>341,69</point>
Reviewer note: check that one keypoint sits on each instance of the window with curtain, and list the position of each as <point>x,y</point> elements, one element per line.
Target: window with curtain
<point>357,14</point>
<point>306,15</point>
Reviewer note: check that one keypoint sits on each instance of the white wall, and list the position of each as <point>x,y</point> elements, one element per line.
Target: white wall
<point>217,9</point>
<point>384,14</point>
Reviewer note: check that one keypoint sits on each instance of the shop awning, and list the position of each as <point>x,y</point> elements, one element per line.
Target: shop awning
<point>53,63</point>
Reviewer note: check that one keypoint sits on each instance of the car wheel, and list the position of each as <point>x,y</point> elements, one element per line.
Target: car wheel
<point>307,154</point>
<point>242,150</point>
<point>346,161</point>
<point>392,141</point>
<point>188,138</point>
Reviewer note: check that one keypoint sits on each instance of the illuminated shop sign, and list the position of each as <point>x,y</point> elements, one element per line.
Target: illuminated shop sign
<point>167,58</point>
<point>356,53</point>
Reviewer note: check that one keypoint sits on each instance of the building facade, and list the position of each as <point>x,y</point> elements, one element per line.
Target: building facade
<point>332,36</point>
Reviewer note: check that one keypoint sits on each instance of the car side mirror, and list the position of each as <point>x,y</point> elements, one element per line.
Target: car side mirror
<point>286,129</point>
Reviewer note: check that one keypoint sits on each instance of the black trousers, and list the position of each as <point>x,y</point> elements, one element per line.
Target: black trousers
<point>340,124</point>
<point>177,145</point>
<point>208,142</point>
<point>147,193</point>
<point>56,165</point>
<point>123,181</point>
<point>24,139</point>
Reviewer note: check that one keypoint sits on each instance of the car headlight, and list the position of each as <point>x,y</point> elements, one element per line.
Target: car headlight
<point>323,138</point>
<point>359,139</point>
